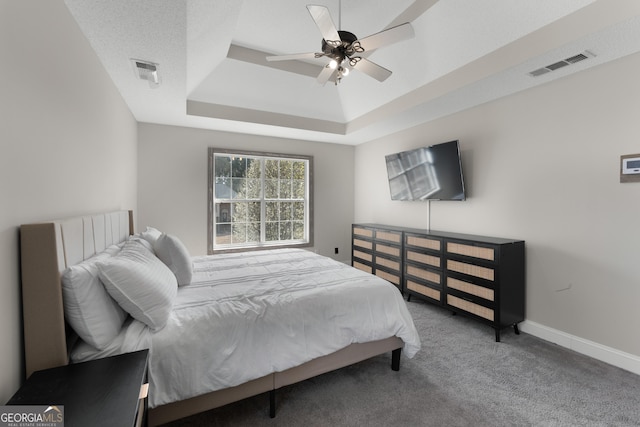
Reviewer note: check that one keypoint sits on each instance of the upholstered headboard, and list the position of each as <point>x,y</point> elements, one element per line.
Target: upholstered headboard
<point>46,250</point>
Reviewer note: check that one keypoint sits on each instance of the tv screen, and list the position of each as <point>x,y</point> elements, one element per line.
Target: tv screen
<point>427,173</point>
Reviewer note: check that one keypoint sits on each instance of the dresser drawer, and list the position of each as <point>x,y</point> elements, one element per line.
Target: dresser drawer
<point>389,236</point>
<point>387,249</point>
<point>390,277</point>
<point>423,242</point>
<point>426,259</point>
<point>471,269</point>
<point>362,266</point>
<point>392,264</point>
<point>474,251</point>
<point>471,289</point>
<point>364,232</point>
<point>470,307</point>
<point>362,255</point>
<point>423,290</point>
<point>431,276</point>
<point>365,244</point>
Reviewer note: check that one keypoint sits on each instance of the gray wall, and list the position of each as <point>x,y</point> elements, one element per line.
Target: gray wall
<point>543,166</point>
<point>172,183</point>
<point>68,144</point>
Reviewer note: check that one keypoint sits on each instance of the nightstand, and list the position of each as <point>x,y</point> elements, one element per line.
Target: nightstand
<point>105,392</point>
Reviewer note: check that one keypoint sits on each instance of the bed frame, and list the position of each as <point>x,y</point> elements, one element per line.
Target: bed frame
<point>48,248</point>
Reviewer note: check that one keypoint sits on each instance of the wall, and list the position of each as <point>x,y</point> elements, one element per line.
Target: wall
<point>172,183</point>
<point>67,141</point>
<point>543,166</point>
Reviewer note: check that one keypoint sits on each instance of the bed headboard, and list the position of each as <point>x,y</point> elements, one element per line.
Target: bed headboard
<point>46,250</point>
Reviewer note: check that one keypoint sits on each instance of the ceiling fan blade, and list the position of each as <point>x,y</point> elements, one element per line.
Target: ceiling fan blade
<point>311,55</point>
<point>387,37</point>
<point>322,18</point>
<point>325,75</point>
<point>372,69</point>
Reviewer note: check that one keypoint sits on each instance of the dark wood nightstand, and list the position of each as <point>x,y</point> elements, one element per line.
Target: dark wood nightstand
<point>105,392</point>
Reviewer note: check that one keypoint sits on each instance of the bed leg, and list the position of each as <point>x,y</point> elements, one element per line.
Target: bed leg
<point>395,359</point>
<point>272,403</point>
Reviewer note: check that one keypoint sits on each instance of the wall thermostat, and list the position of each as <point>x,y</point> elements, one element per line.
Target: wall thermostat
<point>631,166</point>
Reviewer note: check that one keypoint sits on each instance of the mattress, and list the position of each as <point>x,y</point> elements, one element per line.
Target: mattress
<point>250,314</point>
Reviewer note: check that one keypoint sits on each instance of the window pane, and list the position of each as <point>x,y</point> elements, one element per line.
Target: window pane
<point>223,234</point>
<point>271,189</point>
<point>285,211</point>
<point>239,167</point>
<point>222,166</point>
<point>285,189</point>
<point>298,211</point>
<point>253,168</point>
<point>253,189</point>
<point>298,230</point>
<point>271,231</point>
<point>223,213</point>
<point>285,169</point>
<point>223,188</point>
<point>253,212</point>
<point>285,230</point>
<point>239,186</point>
<point>253,232</point>
<point>239,234</point>
<point>298,189</point>
<point>271,169</point>
<point>239,212</point>
<point>271,211</point>
<point>298,170</point>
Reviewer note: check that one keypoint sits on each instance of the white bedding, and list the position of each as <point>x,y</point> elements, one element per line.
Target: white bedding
<point>247,315</point>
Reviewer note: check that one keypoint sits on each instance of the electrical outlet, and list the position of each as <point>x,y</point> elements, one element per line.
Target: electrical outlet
<point>336,251</point>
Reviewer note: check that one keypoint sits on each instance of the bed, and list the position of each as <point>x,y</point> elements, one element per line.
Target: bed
<point>307,302</point>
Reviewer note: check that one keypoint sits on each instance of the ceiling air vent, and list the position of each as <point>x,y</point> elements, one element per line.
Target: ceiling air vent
<point>148,71</point>
<point>560,64</point>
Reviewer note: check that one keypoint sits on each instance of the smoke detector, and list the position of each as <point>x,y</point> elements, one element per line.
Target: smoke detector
<point>145,70</point>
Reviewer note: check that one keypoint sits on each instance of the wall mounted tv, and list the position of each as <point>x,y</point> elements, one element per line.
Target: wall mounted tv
<point>427,173</point>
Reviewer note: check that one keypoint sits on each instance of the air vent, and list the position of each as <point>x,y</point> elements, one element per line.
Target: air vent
<point>561,64</point>
<point>148,71</point>
<point>577,58</point>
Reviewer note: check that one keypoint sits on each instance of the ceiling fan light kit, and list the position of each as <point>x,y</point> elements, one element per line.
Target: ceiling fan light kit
<point>345,50</point>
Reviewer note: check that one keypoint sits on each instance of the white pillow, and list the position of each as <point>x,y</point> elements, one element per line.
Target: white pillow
<point>175,255</point>
<point>150,235</point>
<point>145,242</point>
<point>88,308</point>
<point>142,285</point>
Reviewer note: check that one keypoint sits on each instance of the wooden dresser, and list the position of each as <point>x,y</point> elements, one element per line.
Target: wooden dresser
<point>478,276</point>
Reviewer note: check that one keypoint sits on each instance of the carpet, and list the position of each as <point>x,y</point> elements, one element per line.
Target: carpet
<point>461,377</point>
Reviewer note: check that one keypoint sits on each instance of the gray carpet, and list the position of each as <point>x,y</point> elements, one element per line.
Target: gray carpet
<point>461,377</point>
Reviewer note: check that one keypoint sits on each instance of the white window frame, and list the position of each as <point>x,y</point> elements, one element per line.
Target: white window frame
<point>214,248</point>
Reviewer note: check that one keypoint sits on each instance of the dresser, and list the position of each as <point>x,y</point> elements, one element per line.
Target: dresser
<point>378,251</point>
<point>478,276</point>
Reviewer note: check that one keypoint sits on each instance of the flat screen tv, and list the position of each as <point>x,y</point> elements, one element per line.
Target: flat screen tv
<point>427,173</point>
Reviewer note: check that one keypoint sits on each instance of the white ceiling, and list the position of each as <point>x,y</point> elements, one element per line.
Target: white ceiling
<point>465,52</point>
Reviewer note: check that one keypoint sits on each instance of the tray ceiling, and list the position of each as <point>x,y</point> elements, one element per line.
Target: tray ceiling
<point>211,59</point>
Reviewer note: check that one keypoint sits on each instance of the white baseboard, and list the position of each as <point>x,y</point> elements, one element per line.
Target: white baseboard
<point>592,349</point>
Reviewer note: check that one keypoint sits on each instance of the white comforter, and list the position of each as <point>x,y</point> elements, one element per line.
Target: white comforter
<point>250,314</point>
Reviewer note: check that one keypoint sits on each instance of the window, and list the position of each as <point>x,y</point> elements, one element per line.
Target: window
<point>259,200</point>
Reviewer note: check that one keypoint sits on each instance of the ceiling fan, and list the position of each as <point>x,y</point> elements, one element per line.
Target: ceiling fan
<point>345,50</point>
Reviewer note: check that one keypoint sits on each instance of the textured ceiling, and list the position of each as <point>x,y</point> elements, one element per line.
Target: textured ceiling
<point>211,56</point>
